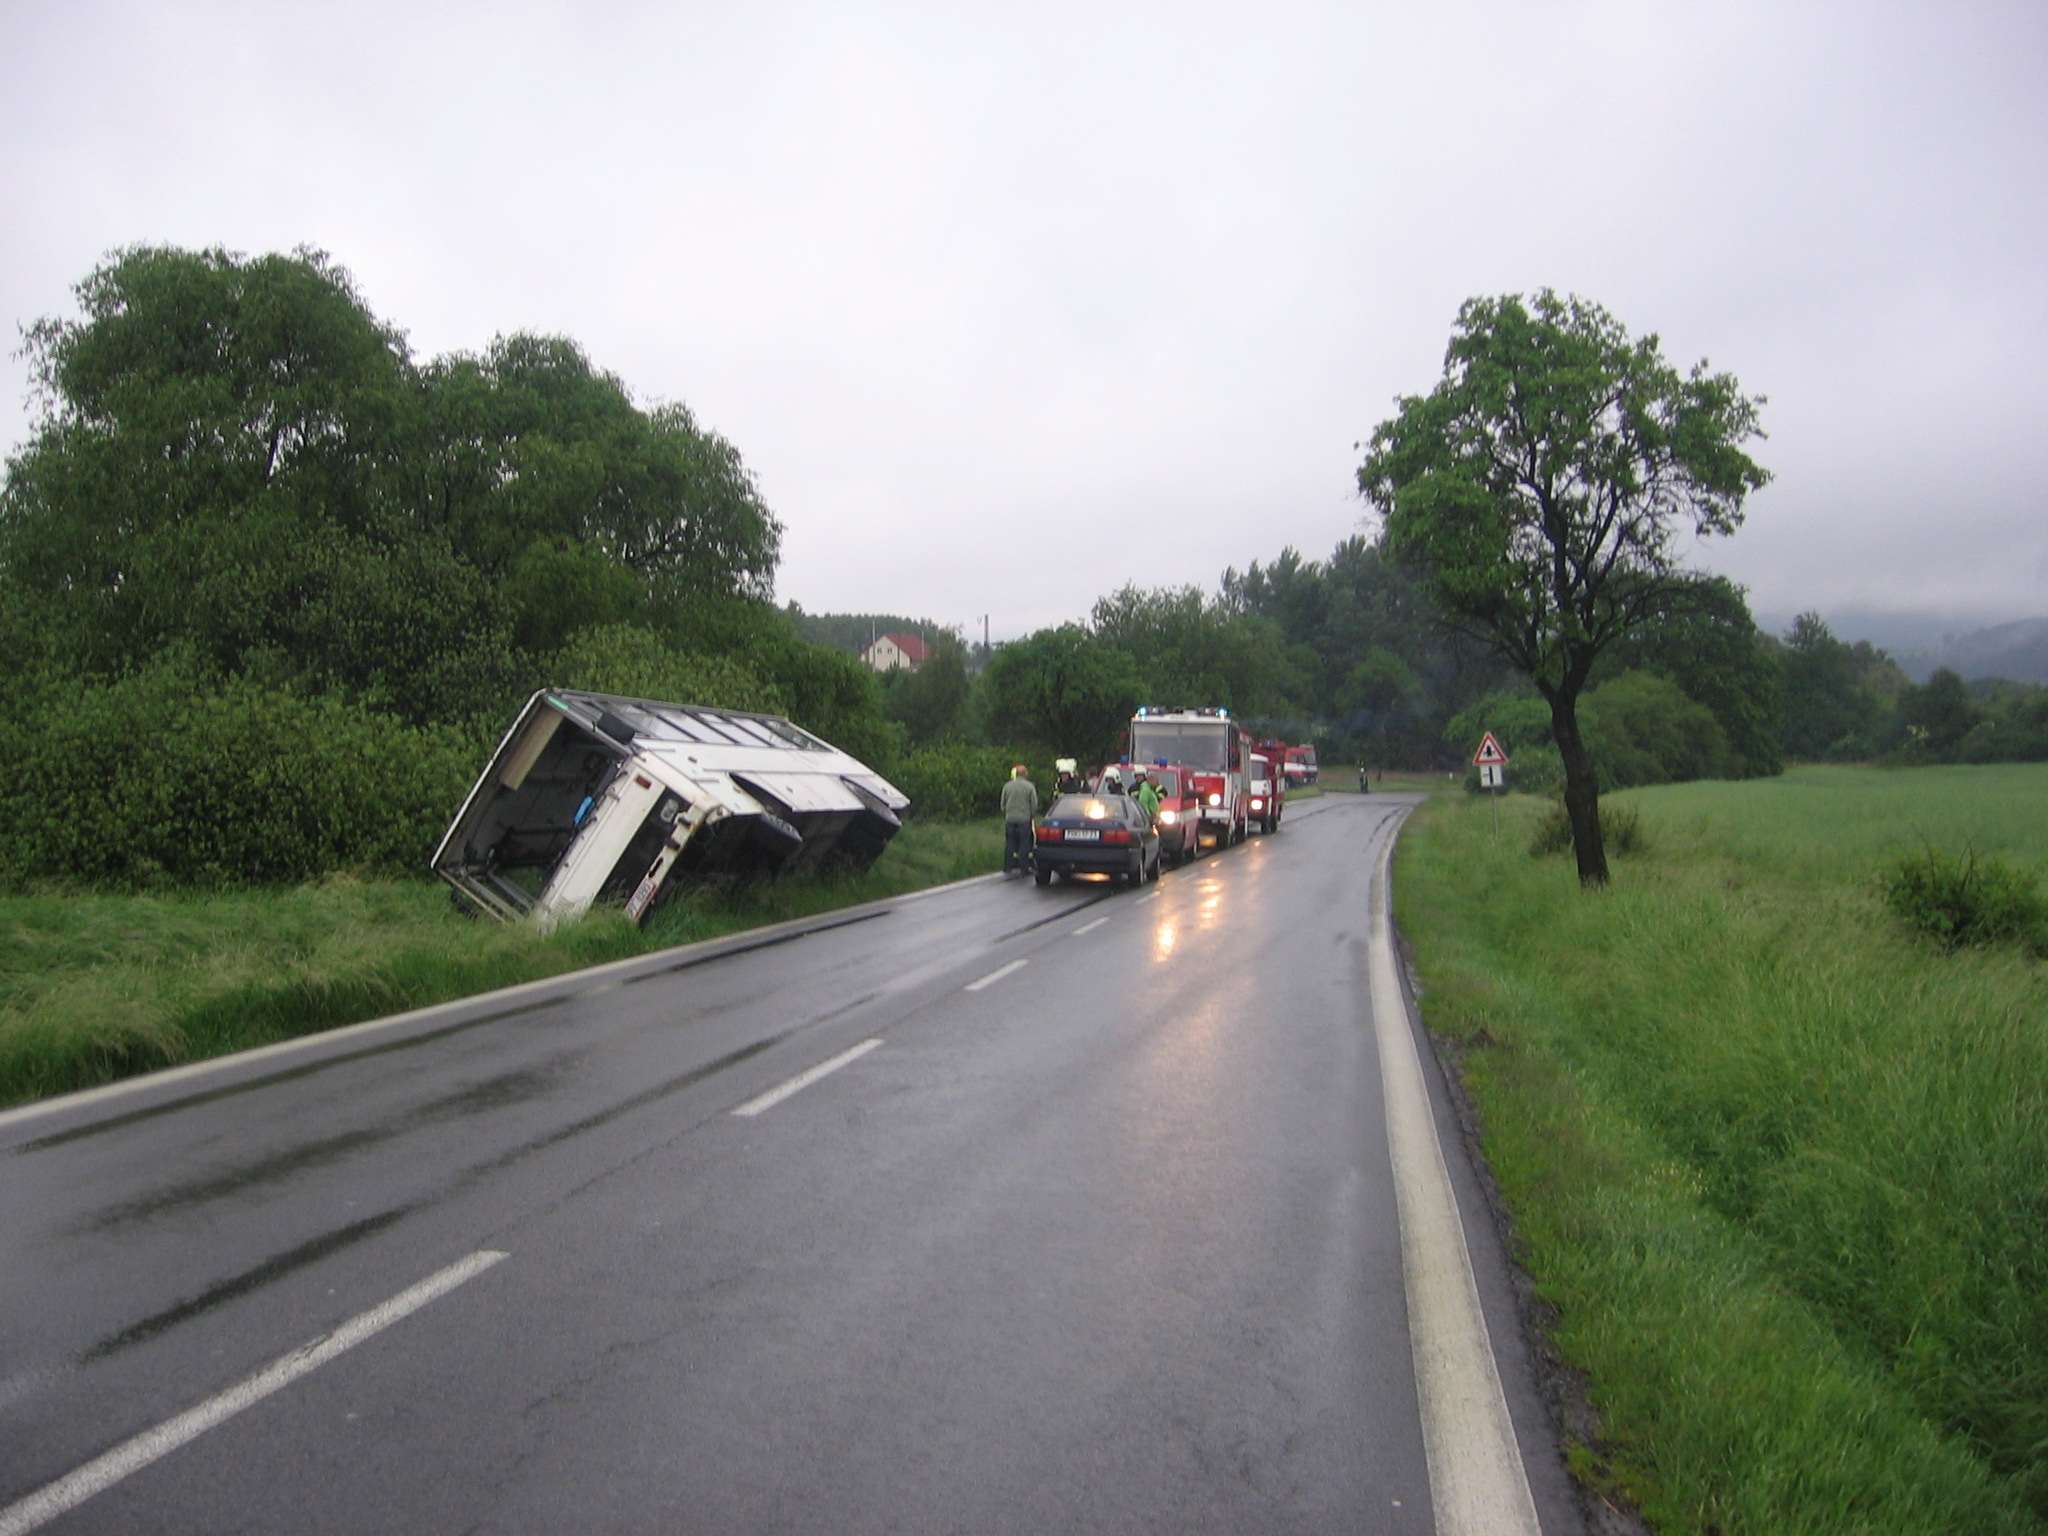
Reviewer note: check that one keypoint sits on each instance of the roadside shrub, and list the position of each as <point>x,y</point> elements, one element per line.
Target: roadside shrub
<point>2015,732</point>
<point>1537,769</point>
<point>957,782</point>
<point>1959,900</point>
<point>634,660</point>
<point>166,779</point>
<point>1621,831</point>
<point>1644,729</point>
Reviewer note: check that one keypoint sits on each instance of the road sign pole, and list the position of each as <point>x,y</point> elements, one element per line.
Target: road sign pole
<point>1492,764</point>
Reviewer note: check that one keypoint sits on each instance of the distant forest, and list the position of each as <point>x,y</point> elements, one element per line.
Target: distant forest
<point>855,632</point>
<point>1347,652</point>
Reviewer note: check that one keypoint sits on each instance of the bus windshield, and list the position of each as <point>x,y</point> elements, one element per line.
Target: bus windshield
<point>1197,744</point>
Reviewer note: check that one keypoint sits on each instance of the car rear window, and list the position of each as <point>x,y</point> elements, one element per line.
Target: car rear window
<point>1091,808</point>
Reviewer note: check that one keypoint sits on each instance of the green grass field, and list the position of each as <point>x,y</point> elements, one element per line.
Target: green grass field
<point>1344,780</point>
<point>94,988</point>
<point>1775,1160</point>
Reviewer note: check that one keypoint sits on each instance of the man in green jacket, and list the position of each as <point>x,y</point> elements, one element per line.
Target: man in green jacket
<point>1147,795</point>
<point>1020,804</point>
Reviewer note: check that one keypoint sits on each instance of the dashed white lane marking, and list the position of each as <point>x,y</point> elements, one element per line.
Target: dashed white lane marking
<point>1148,896</point>
<point>132,1456</point>
<point>996,975</point>
<point>1088,927</point>
<point>1476,1478</point>
<point>803,1080</point>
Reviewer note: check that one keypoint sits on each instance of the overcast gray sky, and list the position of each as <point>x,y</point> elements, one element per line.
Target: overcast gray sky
<point>1007,305</point>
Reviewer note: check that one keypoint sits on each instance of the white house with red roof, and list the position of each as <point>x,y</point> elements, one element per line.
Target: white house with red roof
<point>898,650</point>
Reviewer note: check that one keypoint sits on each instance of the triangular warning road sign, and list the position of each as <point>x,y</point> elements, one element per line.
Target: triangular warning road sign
<point>1489,752</point>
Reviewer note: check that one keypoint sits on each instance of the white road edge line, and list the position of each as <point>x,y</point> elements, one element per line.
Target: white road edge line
<point>996,975</point>
<point>1476,1478</point>
<point>800,1082</point>
<point>101,1473</point>
<point>1088,927</point>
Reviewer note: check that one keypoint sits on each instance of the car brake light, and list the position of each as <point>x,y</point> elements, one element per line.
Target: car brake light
<point>1051,835</point>
<point>1115,835</point>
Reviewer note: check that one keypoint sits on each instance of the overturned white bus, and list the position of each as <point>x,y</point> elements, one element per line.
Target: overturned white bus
<point>592,797</point>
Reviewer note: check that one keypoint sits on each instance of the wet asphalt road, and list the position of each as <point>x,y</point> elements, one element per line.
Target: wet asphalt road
<point>1107,1243</point>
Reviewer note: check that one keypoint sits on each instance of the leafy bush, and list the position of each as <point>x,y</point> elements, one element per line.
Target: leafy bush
<point>1064,688</point>
<point>957,782</point>
<point>1621,830</point>
<point>1959,900</point>
<point>1644,729</point>
<point>2015,731</point>
<point>166,779</point>
<point>633,660</point>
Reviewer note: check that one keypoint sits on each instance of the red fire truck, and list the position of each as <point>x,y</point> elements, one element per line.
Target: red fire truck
<point>1269,784</point>
<point>1215,753</point>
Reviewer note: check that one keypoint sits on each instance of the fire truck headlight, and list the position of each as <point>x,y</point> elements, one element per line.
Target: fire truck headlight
<point>1258,804</point>
<point>1169,817</point>
<point>1215,799</point>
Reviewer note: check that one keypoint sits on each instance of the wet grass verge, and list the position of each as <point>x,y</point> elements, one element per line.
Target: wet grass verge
<point>94,988</point>
<point>1771,1154</point>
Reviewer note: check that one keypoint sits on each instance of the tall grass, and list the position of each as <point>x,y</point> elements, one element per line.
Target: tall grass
<point>99,987</point>
<point>1774,1157</point>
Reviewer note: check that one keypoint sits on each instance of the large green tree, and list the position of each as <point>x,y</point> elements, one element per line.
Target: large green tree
<point>1193,650</point>
<point>1539,491</point>
<point>235,457</point>
<point>1063,689</point>
<point>209,461</point>
<point>1715,653</point>
<point>528,445</point>
<point>1358,610</point>
<point>935,702</point>
<point>1837,697</point>
<point>1934,717</point>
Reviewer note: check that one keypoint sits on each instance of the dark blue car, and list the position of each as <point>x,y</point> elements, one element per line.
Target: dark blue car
<point>1098,835</point>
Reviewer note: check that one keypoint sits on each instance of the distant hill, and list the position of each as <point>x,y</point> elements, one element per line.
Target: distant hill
<point>2018,651</point>
<point>1921,642</point>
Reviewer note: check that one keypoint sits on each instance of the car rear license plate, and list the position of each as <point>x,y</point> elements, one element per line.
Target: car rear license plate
<point>1090,836</point>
